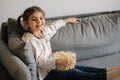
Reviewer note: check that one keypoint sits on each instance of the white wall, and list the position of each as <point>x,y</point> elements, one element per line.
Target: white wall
<point>13,8</point>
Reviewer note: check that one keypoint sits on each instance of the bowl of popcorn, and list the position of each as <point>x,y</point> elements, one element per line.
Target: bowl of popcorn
<point>66,55</point>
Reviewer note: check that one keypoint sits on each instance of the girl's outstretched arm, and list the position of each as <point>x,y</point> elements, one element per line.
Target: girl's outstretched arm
<point>71,20</point>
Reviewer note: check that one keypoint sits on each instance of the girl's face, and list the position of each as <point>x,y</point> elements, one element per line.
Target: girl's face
<point>35,22</point>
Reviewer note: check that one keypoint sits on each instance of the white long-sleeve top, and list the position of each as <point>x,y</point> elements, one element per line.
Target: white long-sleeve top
<point>42,48</point>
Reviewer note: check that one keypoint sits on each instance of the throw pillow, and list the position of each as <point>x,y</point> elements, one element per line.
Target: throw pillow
<point>13,26</point>
<point>23,51</point>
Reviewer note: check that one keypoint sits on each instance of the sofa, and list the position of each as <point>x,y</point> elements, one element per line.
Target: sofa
<point>95,39</point>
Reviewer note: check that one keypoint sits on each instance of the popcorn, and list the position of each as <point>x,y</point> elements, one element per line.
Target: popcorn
<point>63,54</point>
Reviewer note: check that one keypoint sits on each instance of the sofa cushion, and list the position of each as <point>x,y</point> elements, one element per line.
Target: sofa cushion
<point>13,26</point>
<point>23,51</point>
<point>4,32</point>
<point>0,34</point>
<point>92,37</point>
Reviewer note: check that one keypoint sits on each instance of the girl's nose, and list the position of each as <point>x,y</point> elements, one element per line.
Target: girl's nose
<point>39,21</point>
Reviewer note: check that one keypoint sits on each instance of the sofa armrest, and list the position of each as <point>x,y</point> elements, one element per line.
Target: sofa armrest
<point>17,69</point>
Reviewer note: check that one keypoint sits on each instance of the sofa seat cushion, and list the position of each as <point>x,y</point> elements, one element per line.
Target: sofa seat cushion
<point>103,61</point>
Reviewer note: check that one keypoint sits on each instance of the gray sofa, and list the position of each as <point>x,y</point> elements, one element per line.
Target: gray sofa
<point>95,40</point>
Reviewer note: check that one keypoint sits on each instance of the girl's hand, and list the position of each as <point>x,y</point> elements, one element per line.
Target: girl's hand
<point>71,20</point>
<point>64,62</point>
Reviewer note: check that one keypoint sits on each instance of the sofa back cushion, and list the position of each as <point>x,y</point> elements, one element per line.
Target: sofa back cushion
<point>93,36</point>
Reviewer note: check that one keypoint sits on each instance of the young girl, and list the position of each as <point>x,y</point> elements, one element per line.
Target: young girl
<point>39,36</point>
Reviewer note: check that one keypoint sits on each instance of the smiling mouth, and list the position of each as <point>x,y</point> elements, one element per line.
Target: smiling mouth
<point>38,26</point>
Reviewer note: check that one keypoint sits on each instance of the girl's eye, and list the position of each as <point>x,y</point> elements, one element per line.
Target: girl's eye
<point>34,19</point>
<point>41,18</point>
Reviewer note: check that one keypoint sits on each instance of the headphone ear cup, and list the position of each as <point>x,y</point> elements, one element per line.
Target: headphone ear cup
<point>24,27</point>
<point>21,23</point>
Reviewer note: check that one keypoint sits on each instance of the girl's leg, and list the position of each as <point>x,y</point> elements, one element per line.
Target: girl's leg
<point>100,71</point>
<point>111,73</point>
<point>79,73</point>
<point>90,69</point>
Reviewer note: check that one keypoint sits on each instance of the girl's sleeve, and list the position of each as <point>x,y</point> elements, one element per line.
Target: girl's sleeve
<point>46,63</point>
<point>38,51</point>
<point>41,60</point>
<point>50,30</point>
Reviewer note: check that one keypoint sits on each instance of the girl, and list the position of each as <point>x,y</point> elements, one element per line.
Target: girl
<point>39,36</point>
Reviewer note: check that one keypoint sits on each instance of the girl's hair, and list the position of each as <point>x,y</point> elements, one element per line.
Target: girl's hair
<point>29,11</point>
